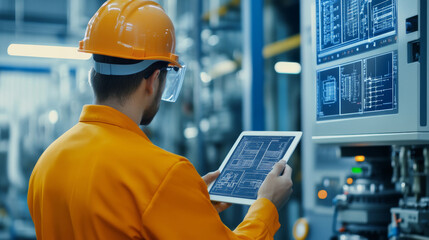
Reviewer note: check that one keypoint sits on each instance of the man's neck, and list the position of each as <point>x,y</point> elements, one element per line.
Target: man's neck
<point>126,108</point>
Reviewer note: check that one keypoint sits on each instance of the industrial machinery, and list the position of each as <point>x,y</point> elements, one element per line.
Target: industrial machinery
<point>363,207</point>
<point>410,220</point>
<point>365,118</point>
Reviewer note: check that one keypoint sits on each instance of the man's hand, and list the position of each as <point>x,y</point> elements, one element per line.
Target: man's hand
<point>277,186</point>
<point>209,178</point>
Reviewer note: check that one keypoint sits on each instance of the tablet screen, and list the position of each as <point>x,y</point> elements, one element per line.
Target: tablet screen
<point>251,161</point>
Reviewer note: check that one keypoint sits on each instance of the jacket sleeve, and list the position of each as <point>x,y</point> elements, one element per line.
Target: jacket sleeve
<point>181,209</point>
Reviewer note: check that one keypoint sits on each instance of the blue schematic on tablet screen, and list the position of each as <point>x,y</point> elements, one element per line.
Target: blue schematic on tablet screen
<point>249,164</point>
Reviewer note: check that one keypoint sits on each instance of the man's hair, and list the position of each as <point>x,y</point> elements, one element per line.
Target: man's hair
<point>121,87</point>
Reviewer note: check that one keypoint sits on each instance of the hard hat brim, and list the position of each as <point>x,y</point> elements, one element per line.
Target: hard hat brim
<point>172,62</point>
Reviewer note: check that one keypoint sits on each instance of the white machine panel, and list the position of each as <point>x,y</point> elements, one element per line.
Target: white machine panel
<point>367,83</point>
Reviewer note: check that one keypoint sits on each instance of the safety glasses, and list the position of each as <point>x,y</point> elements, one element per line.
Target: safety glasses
<point>173,82</point>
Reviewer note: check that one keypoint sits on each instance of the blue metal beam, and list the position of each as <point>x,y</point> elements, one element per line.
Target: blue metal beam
<point>253,65</point>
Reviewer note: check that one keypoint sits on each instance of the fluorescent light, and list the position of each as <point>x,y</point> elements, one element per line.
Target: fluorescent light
<point>190,132</point>
<point>53,116</point>
<point>288,67</point>
<point>204,125</point>
<point>223,68</point>
<point>205,77</point>
<point>43,51</point>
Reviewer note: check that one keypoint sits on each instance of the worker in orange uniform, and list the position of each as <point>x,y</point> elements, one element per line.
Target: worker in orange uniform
<point>104,179</point>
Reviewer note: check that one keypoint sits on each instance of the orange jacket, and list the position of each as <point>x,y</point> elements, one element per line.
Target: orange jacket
<point>104,179</point>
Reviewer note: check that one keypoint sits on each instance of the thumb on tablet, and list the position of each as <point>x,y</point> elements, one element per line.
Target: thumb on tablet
<point>210,177</point>
<point>277,187</point>
<point>278,168</point>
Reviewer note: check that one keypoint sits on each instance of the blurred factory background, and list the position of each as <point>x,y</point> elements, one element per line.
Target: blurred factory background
<point>228,45</point>
<point>362,169</point>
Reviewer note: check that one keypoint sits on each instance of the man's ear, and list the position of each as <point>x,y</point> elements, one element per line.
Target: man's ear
<point>152,82</point>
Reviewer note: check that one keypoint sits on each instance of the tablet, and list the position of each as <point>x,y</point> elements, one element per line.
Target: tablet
<point>248,162</point>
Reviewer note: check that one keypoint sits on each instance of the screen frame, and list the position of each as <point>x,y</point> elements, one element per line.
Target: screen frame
<point>402,128</point>
<point>363,112</point>
<point>332,53</point>
<point>241,200</point>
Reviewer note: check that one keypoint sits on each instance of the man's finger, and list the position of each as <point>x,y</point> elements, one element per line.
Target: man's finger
<point>278,167</point>
<point>287,171</point>
<point>221,206</point>
<point>210,177</point>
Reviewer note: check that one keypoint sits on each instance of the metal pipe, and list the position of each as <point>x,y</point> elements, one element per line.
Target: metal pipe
<point>19,15</point>
<point>198,107</point>
<point>253,65</point>
<point>426,160</point>
<point>395,164</point>
<point>416,187</point>
<point>426,170</point>
<point>74,16</point>
<point>14,171</point>
<point>282,46</point>
<point>403,162</point>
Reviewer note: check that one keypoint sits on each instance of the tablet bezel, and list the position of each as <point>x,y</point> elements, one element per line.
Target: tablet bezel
<point>241,200</point>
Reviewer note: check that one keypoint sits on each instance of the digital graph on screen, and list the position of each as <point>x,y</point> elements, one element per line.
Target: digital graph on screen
<point>349,27</point>
<point>249,164</point>
<point>364,87</point>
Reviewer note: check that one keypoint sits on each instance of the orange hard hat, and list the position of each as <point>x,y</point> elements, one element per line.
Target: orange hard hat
<point>131,29</point>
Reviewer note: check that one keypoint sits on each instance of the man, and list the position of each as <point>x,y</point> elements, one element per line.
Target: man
<point>104,179</point>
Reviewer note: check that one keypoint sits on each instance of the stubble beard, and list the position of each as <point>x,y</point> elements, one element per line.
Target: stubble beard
<point>150,113</point>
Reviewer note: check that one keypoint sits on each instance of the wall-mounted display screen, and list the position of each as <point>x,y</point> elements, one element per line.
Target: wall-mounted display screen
<point>360,88</point>
<point>349,27</point>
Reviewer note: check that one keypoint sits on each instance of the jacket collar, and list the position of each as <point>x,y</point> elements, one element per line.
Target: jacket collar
<point>109,115</point>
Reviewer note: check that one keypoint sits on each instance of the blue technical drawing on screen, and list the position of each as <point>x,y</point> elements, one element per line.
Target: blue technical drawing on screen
<point>360,88</point>
<point>249,164</point>
<point>329,91</point>
<point>350,27</point>
<point>351,90</point>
